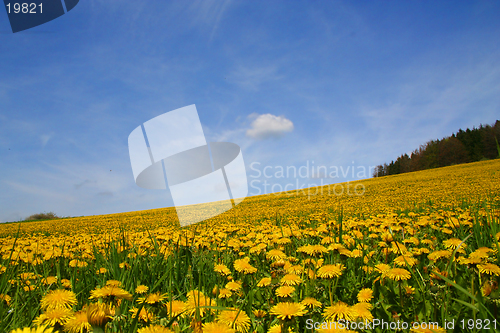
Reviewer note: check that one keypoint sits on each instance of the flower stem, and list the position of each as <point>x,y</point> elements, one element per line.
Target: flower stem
<point>400,295</point>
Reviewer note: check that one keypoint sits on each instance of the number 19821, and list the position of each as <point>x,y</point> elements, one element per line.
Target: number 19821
<point>479,324</point>
<point>24,8</point>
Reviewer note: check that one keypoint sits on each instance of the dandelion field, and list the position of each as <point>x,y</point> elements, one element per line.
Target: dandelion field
<point>415,247</point>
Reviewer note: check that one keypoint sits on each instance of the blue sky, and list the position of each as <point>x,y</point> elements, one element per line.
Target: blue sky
<point>334,83</point>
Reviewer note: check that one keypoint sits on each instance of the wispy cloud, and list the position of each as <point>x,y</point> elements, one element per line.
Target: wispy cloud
<point>44,138</point>
<point>252,77</point>
<point>85,182</point>
<point>431,102</point>
<point>209,13</point>
<point>38,191</point>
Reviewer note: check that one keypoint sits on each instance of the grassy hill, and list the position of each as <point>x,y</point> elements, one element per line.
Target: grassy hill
<point>388,248</point>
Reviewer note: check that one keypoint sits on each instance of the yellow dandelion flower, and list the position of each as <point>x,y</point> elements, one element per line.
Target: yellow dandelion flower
<point>141,289</point>
<point>311,302</point>
<point>387,237</point>
<point>124,265</point>
<point>243,266</point>
<point>436,255</point>
<point>335,247</point>
<point>447,231</point>
<point>340,310</point>
<point>409,290</point>
<point>53,316</point>
<point>259,313</point>
<point>490,269</point>
<point>356,253</point>
<point>144,314</point>
<point>275,329</point>
<point>6,298</point>
<point>114,283</point>
<point>454,243</point>
<point>225,293</point>
<point>66,283</point>
<point>398,274</point>
<point>294,269</point>
<point>101,270</point>
<point>285,291</point>
<point>368,269</point>
<point>283,240</point>
<point>49,280</point>
<point>98,314</point>
<point>152,298</point>
<point>222,269</point>
<point>330,271</point>
<point>58,298</point>
<point>110,292</point>
<point>175,308</point>
<point>427,242</point>
<point>275,254</point>
<point>29,288</point>
<point>485,250</point>
<point>363,311</point>
<point>345,252</point>
<point>488,287</point>
<point>365,295</point>
<point>328,240</point>
<point>78,324</point>
<point>405,260</point>
<point>312,249</point>
<point>27,276</point>
<point>288,310</point>
<point>279,263</point>
<point>482,252</point>
<point>78,263</point>
<point>291,280</point>
<point>264,282</point>
<point>239,320</point>
<point>382,268</point>
<point>472,260</point>
<point>233,285</point>
<point>215,290</point>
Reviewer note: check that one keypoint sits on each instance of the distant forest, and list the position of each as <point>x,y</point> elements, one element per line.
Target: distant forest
<point>466,146</point>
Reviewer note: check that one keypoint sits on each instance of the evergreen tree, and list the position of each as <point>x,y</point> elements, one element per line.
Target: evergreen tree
<point>461,147</point>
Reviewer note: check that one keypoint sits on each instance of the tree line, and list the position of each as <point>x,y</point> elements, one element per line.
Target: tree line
<point>462,147</point>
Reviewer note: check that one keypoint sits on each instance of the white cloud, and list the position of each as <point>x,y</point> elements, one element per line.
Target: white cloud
<point>267,126</point>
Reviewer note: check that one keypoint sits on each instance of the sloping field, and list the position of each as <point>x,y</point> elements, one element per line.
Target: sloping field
<point>412,250</point>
